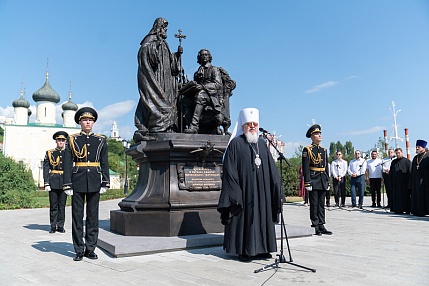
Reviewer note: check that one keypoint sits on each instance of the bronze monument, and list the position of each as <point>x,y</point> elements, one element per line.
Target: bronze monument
<point>182,132</point>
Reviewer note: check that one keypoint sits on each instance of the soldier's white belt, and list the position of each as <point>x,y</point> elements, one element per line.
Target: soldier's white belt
<point>87,164</point>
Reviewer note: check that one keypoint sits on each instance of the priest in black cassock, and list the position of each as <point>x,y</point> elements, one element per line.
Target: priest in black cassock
<point>399,176</point>
<point>251,196</point>
<point>420,180</point>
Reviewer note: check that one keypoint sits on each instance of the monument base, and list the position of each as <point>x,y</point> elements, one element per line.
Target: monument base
<point>166,223</point>
<point>178,187</point>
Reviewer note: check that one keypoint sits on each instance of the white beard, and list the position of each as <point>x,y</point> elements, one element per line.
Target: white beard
<point>251,138</point>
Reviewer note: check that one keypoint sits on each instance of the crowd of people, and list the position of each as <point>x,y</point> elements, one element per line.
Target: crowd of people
<point>405,182</point>
<point>251,198</point>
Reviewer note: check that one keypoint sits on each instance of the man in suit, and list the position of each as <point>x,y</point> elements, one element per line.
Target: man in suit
<point>53,178</point>
<point>316,178</point>
<point>86,176</point>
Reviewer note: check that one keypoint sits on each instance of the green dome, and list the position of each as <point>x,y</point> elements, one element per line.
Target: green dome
<point>69,105</point>
<point>46,93</point>
<point>21,102</point>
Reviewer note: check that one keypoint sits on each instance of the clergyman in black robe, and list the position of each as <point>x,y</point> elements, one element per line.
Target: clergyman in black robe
<point>251,196</point>
<point>420,181</point>
<point>399,176</point>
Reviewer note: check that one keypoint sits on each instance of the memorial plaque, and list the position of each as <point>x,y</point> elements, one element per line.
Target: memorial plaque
<point>193,177</point>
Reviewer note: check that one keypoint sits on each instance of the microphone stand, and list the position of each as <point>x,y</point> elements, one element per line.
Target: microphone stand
<point>281,258</point>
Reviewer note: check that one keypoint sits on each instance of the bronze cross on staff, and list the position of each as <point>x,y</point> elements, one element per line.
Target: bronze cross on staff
<point>180,36</point>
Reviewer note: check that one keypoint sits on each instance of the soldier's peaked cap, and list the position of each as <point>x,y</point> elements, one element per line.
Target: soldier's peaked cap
<point>85,112</point>
<point>313,129</point>
<point>60,135</point>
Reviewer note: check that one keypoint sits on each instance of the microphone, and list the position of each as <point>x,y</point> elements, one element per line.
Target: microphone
<point>263,130</point>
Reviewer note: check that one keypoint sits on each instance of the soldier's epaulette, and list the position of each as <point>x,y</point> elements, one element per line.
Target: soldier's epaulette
<point>99,135</point>
<point>51,150</point>
<point>74,135</point>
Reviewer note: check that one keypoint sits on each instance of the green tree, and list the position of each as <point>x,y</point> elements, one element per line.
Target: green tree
<point>332,151</point>
<point>16,182</point>
<point>117,162</point>
<point>290,174</point>
<point>14,176</point>
<point>116,147</point>
<point>380,148</point>
<point>349,151</point>
<point>333,148</point>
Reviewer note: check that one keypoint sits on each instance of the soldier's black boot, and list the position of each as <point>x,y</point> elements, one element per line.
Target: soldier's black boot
<point>317,230</point>
<point>323,230</point>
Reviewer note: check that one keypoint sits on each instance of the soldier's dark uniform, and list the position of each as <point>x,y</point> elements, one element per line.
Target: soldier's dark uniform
<point>86,170</point>
<point>315,169</point>
<point>53,178</point>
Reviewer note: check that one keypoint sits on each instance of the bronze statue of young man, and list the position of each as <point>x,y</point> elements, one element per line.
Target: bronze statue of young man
<point>209,84</point>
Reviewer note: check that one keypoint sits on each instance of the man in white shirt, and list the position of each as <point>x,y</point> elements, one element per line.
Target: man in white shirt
<point>386,168</point>
<point>356,170</point>
<point>373,175</point>
<point>339,171</point>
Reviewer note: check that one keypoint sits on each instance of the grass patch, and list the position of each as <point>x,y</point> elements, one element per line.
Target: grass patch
<point>294,199</point>
<point>40,199</point>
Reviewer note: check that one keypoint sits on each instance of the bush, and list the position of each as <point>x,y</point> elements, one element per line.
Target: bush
<point>15,199</point>
<point>112,194</point>
<point>14,176</point>
<point>16,184</point>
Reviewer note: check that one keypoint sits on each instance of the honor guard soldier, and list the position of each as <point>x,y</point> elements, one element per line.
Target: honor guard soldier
<point>86,176</point>
<point>315,169</point>
<point>53,178</point>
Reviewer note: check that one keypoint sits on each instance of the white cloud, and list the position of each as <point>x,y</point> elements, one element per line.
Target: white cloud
<point>351,77</point>
<point>322,86</point>
<point>126,131</point>
<point>371,130</point>
<point>111,113</point>
<point>291,148</point>
<point>7,111</point>
<point>107,114</point>
<point>117,109</point>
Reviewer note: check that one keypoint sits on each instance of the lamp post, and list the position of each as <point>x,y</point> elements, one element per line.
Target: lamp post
<point>126,145</point>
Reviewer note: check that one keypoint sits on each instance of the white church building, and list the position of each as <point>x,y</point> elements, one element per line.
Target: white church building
<point>27,142</point>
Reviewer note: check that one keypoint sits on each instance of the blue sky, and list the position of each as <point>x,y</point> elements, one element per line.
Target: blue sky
<point>340,63</point>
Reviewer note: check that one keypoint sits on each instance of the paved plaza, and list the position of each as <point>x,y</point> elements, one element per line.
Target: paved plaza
<point>368,247</point>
